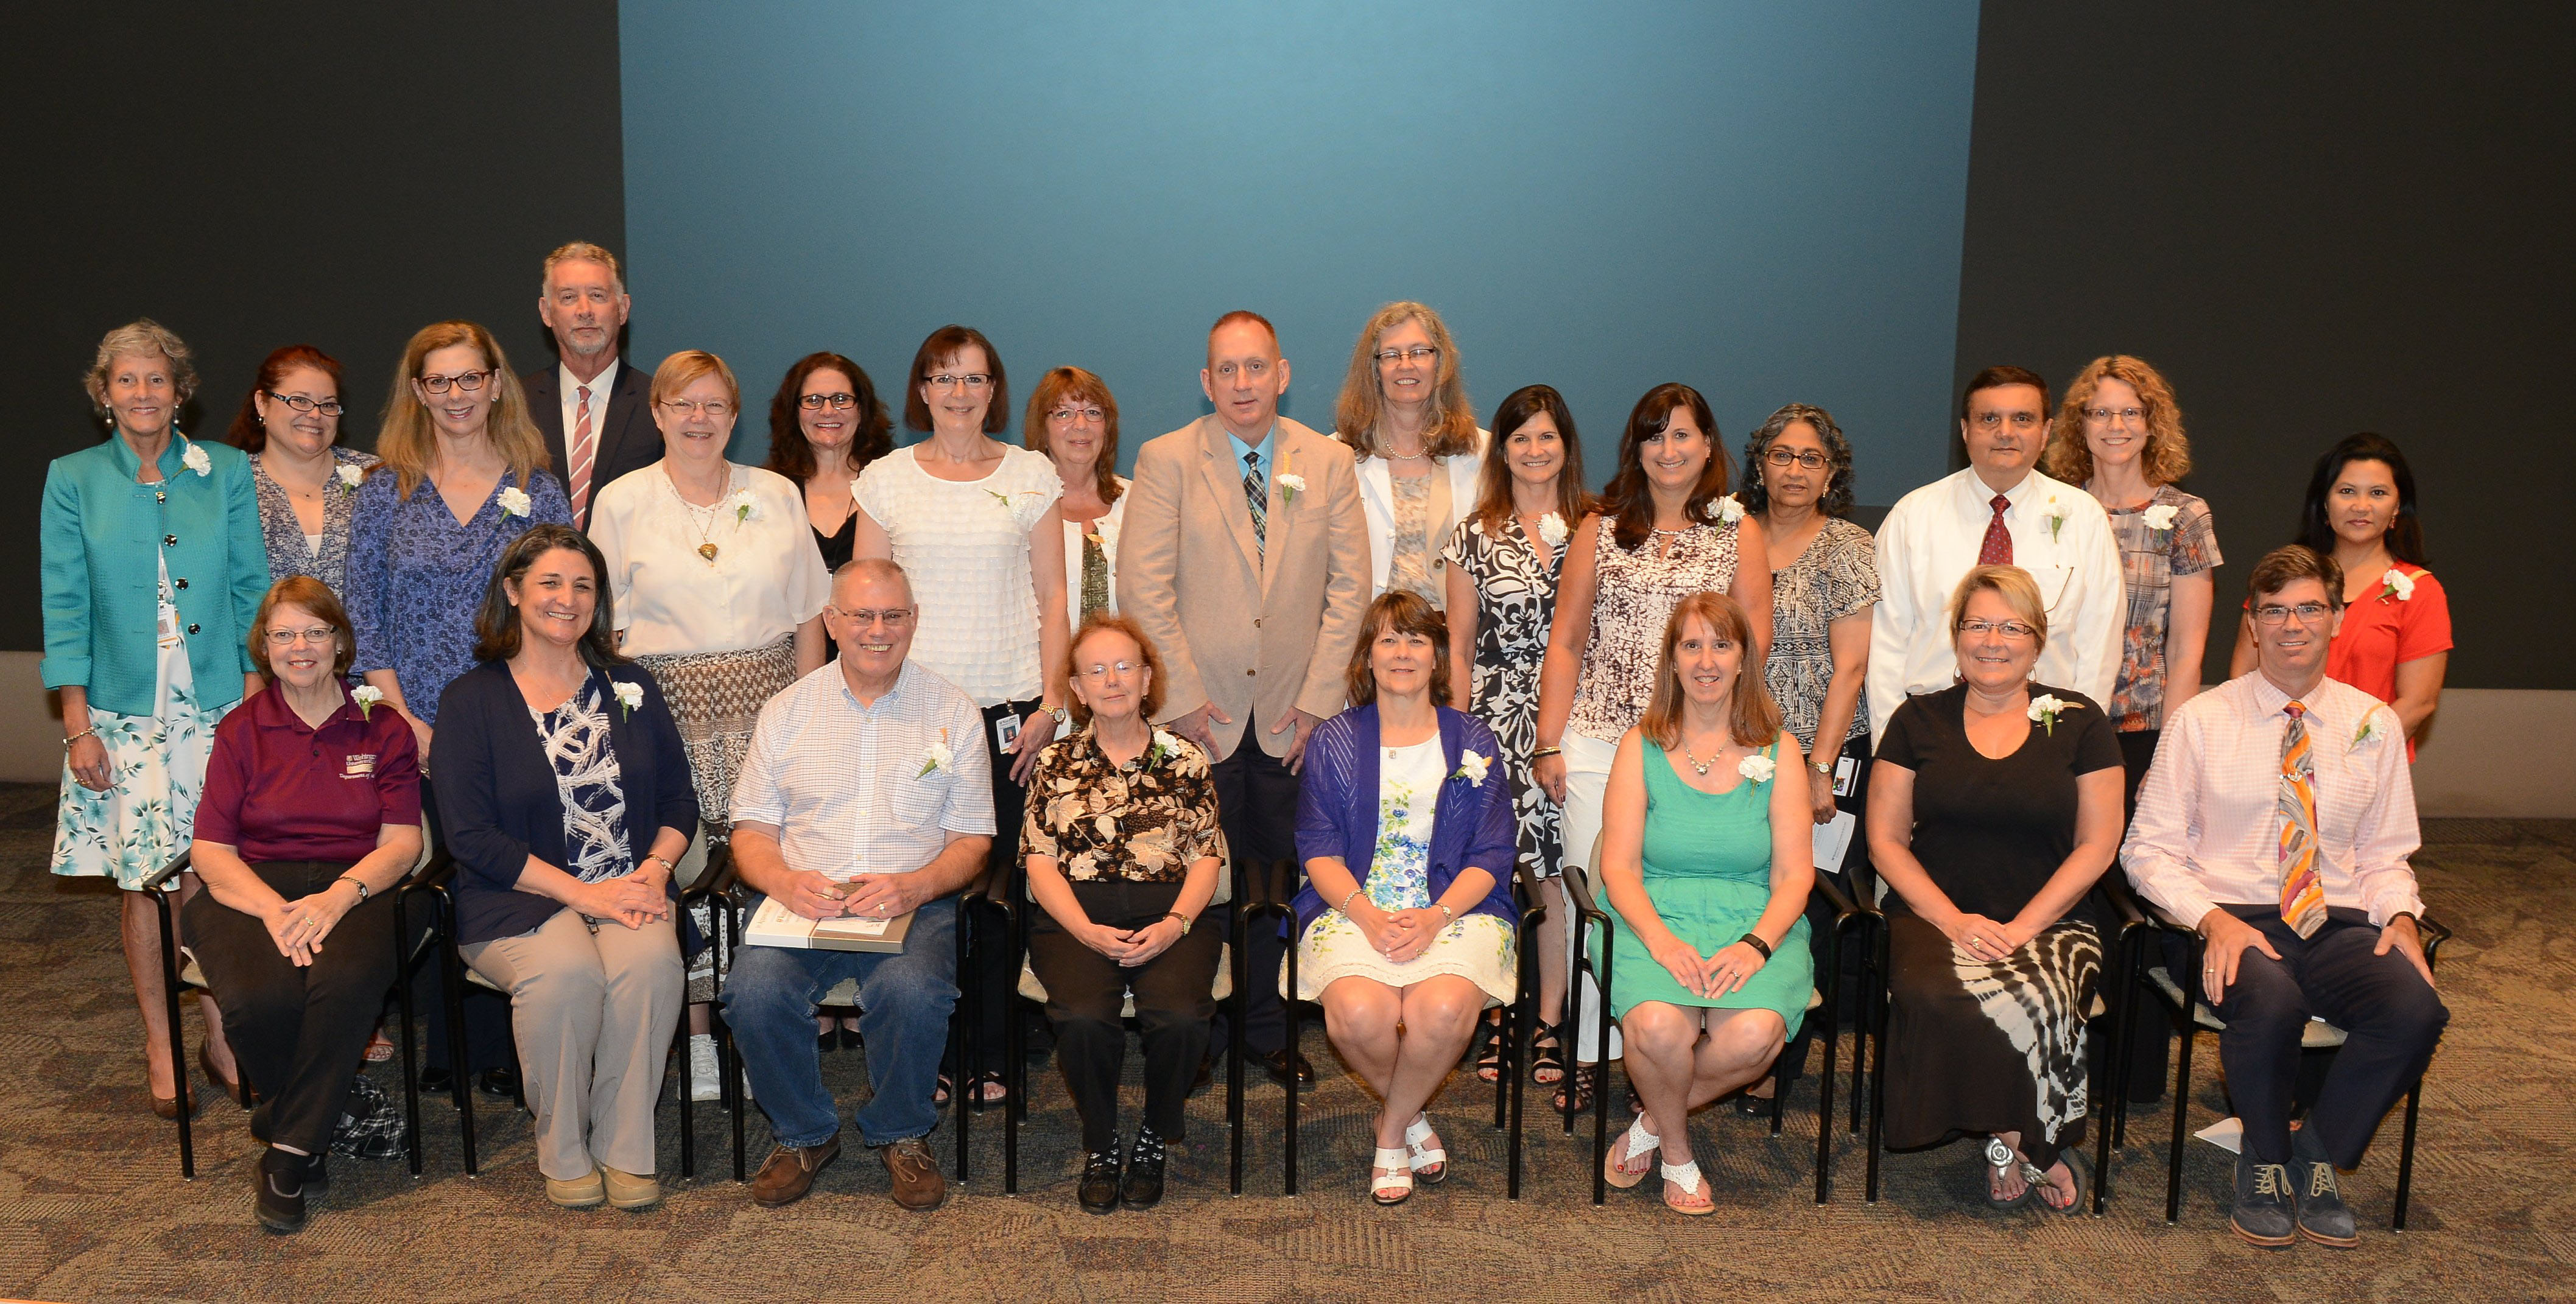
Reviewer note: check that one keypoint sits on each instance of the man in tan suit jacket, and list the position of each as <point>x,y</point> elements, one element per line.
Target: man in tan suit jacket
<point>1255,617</point>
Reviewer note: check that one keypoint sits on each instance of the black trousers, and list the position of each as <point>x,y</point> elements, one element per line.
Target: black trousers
<point>2391,1018</point>
<point>991,965</point>
<point>298,1030</point>
<point>1086,989</point>
<point>487,1012</point>
<point>1256,803</point>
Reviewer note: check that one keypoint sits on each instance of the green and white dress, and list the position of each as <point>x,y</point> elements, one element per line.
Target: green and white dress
<point>159,761</point>
<point>1478,947</point>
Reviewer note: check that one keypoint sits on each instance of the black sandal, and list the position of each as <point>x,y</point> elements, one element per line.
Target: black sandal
<point>1488,1048</point>
<point>978,1099</point>
<point>1547,1055</point>
<point>1584,1080</point>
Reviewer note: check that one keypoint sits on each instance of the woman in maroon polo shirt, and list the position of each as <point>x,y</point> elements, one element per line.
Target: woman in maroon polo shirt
<point>311,814</point>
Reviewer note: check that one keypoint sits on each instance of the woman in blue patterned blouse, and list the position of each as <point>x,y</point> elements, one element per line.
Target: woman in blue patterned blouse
<point>307,482</point>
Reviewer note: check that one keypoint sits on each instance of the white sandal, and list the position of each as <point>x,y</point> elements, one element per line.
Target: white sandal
<point>1429,1163</point>
<point>1634,1143</point>
<point>1399,1181</point>
<point>1686,1175</point>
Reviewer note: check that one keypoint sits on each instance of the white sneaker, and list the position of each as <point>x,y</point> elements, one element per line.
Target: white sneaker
<point>706,1081</point>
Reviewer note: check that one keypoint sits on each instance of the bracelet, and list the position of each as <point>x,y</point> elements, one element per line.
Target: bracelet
<point>91,732</point>
<point>1345,907</point>
<point>1537,752</point>
<point>1185,923</point>
<point>651,857</point>
<point>1757,944</point>
<point>359,883</point>
<point>1445,912</point>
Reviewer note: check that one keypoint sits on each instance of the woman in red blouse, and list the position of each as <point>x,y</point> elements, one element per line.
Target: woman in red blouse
<point>2395,641</point>
<point>311,815</point>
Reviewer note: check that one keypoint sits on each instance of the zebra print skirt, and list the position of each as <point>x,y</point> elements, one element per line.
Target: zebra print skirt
<point>1977,1046</point>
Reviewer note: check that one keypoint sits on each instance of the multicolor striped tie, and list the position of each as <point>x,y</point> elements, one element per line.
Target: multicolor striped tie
<point>1256,496</point>
<point>2303,893</point>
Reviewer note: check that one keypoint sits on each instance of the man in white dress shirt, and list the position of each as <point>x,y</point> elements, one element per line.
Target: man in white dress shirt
<point>596,414</point>
<point>867,792</point>
<point>2000,511</point>
<point>2276,821</point>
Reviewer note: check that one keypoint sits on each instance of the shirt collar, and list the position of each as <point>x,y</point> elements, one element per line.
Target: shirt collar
<point>902,680</point>
<point>1268,438</point>
<point>600,385</point>
<point>1976,487</point>
<point>2269,699</point>
<point>270,711</point>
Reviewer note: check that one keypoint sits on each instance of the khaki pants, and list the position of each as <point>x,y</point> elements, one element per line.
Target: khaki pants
<point>594,1013</point>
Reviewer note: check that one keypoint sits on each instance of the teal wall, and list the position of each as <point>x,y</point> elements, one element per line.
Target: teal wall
<point>1766,202</point>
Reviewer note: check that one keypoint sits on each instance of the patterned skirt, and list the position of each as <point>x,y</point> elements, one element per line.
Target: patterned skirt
<point>1980,1046</point>
<point>1479,948</point>
<point>715,699</point>
<point>134,828</point>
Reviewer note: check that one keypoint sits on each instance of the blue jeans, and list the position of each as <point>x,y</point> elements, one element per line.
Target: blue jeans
<point>905,999</point>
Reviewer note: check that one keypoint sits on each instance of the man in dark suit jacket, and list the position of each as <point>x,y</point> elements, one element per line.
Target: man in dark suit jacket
<point>584,303</point>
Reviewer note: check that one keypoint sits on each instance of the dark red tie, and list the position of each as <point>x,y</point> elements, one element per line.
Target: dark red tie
<point>1997,549</point>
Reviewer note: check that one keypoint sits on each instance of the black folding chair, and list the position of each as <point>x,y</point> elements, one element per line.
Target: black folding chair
<point>172,980</point>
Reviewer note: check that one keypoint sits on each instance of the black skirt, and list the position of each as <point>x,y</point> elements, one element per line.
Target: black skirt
<point>1977,1047</point>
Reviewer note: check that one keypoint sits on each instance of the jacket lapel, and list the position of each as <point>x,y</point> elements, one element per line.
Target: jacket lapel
<point>1224,476</point>
<point>1288,450</point>
<point>1447,823</point>
<point>1363,791</point>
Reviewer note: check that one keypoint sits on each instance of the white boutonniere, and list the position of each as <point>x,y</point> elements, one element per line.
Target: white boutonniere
<point>745,507</point>
<point>937,758</point>
<point>349,475</point>
<point>2045,708</point>
<point>1552,530</point>
<point>629,695</point>
<point>1107,528</point>
<point>195,459</point>
<point>2056,518</point>
<point>1757,767</point>
<point>1291,484</point>
<point>367,695</point>
<point>1472,768</point>
<point>2161,516</point>
<point>1164,747</point>
<point>2368,733</point>
<point>1726,510</point>
<point>1000,497</point>
<point>2396,585</point>
<point>514,501</point>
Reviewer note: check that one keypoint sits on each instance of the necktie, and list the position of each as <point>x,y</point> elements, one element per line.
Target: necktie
<point>2303,894</point>
<point>1256,495</point>
<point>584,451</point>
<point>1997,549</point>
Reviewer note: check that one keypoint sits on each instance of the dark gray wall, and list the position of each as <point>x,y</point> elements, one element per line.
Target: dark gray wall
<point>334,174</point>
<point>2314,220</point>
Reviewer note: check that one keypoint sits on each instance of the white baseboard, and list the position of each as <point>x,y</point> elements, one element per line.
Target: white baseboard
<point>2496,753</point>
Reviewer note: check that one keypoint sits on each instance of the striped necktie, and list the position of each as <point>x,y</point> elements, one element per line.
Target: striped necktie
<point>2303,894</point>
<point>585,451</point>
<point>1256,495</point>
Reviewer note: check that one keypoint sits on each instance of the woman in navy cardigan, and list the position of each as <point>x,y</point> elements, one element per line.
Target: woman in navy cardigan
<point>1405,927</point>
<point>566,799</point>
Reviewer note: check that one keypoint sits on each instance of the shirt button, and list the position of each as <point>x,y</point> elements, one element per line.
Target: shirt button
<point>160,497</point>
<point>169,541</point>
<point>192,628</point>
<point>1252,672</point>
<point>180,583</point>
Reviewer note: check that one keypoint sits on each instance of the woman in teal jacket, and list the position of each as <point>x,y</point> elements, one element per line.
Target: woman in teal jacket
<point>153,572</point>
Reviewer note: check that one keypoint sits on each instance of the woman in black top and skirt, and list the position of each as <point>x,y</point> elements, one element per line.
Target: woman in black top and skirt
<point>1993,807</point>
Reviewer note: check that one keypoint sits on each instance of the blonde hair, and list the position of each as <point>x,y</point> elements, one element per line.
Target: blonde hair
<point>1752,718</point>
<point>141,338</point>
<point>2167,455</point>
<point>579,251</point>
<point>2019,592</point>
<point>408,445</point>
<point>1451,425</point>
<point>686,368</point>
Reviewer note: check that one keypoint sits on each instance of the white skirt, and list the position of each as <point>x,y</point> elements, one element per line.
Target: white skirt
<point>1483,949</point>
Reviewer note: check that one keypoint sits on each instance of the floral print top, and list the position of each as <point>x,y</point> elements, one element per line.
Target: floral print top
<point>1634,593</point>
<point>1146,821</point>
<point>417,575</point>
<point>1408,794</point>
<point>279,528</point>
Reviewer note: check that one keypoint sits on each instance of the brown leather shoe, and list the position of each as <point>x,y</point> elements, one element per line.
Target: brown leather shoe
<point>917,1183</point>
<point>789,1174</point>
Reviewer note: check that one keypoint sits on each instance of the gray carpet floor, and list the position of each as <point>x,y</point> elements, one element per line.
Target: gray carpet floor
<point>92,1206</point>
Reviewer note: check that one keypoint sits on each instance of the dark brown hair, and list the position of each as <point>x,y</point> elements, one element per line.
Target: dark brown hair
<point>248,432</point>
<point>314,596</point>
<point>1997,378</point>
<point>1494,481</point>
<point>1073,382</point>
<point>2405,537</point>
<point>1116,624</point>
<point>2290,563</point>
<point>1629,499</point>
<point>947,342</point>
<point>496,622</point>
<point>1753,719</point>
<point>790,455</point>
<point>1405,612</point>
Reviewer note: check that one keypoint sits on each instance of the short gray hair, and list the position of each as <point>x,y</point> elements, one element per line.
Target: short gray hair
<point>579,251</point>
<point>871,568</point>
<point>141,338</point>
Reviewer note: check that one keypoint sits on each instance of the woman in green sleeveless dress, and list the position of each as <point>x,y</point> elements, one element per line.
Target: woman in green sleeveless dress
<point>1708,871</point>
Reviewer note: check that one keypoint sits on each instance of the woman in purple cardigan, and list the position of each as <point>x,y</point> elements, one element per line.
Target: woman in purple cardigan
<point>1405,927</point>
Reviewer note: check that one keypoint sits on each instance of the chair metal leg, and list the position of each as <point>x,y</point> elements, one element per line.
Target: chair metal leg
<point>1288,1006</point>
<point>1517,1018</point>
<point>737,1077</point>
<point>961,1034</point>
<point>1879,1007</point>
<point>1240,935</point>
<point>452,980</point>
<point>2406,1157</point>
<point>178,1034</point>
<point>1601,1085</point>
<point>2181,1113</point>
<point>688,1087</point>
<point>1015,1074</point>
<point>403,966</point>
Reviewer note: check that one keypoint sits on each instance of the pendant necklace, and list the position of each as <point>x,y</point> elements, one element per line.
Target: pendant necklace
<point>706,544</point>
<point>1698,766</point>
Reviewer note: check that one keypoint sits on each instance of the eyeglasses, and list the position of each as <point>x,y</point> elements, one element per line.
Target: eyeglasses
<point>291,637</point>
<point>818,402</point>
<point>1995,421</point>
<point>2011,630</point>
<point>870,615</point>
<point>329,407</point>
<point>717,408</point>
<point>1784,457</point>
<point>468,381</point>
<point>2104,415</point>
<point>1418,353</point>
<point>1069,415</point>
<point>2309,613</point>
<point>971,380</point>
<point>1121,668</point>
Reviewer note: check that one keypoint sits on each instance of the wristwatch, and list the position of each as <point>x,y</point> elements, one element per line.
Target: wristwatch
<point>1063,717</point>
<point>1185,923</point>
<point>1824,767</point>
<point>356,882</point>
